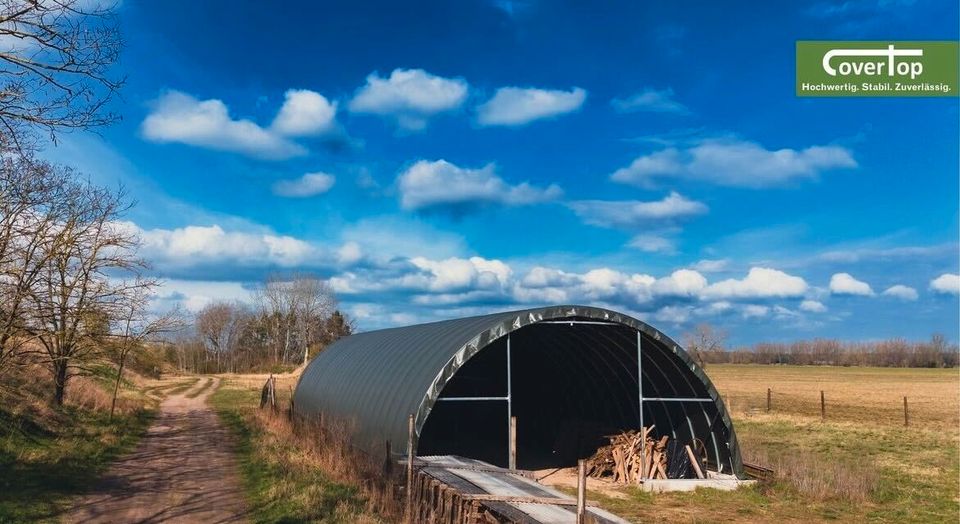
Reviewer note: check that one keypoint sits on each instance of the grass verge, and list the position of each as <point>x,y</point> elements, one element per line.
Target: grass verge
<point>284,478</point>
<point>44,463</point>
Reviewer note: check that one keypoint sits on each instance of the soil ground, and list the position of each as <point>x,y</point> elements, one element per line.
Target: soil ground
<point>184,470</point>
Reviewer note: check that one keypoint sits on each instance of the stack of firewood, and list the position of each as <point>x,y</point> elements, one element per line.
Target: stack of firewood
<point>623,461</point>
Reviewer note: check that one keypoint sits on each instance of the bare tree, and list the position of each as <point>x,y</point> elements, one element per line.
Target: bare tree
<point>221,326</point>
<point>136,325</point>
<point>703,341</point>
<point>297,307</point>
<point>55,64</point>
<point>32,204</point>
<point>79,288</point>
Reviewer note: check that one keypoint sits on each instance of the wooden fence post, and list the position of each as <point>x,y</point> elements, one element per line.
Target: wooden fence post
<point>906,413</point>
<point>388,462</point>
<point>823,407</point>
<point>581,490</point>
<point>513,444</point>
<point>410,431</point>
<point>768,399</point>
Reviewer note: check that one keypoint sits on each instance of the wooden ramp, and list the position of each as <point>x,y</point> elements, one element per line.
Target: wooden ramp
<point>452,489</point>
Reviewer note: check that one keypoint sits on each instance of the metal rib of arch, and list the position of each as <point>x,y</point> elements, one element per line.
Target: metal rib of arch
<point>374,380</point>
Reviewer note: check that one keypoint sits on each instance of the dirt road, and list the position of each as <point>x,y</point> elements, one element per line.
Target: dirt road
<point>182,471</point>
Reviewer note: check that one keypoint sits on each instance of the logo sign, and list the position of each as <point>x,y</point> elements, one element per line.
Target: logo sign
<point>877,68</point>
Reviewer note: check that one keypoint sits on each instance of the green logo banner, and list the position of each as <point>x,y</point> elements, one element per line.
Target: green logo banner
<point>877,68</point>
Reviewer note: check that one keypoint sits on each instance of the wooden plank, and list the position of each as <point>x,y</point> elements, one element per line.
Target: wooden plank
<point>694,462</point>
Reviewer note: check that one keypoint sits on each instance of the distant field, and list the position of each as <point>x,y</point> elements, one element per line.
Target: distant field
<point>862,464</point>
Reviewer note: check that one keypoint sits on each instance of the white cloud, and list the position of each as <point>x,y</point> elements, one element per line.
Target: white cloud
<point>632,214</point>
<point>735,163</point>
<point>673,314</point>
<point>181,118</point>
<point>760,282</point>
<point>304,113</point>
<point>711,266</point>
<point>652,100</point>
<point>845,284</point>
<point>455,274</point>
<point>902,292</point>
<point>310,184</point>
<point>192,245</point>
<point>439,184</point>
<point>409,95</point>
<point>682,282</point>
<point>514,106</point>
<point>754,311</point>
<point>947,283</point>
<point>812,306</point>
<point>651,243</point>
<point>350,253</point>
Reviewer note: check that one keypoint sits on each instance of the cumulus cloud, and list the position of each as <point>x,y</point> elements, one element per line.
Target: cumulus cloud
<point>515,106</point>
<point>735,163</point>
<point>651,100</point>
<point>902,292</point>
<point>308,185</point>
<point>411,96</point>
<point>195,245</point>
<point>304,113</point>
<point>633,214</point>
<point>812,306</point>
<point>442,185</point>
<point>180,118</point>
<point>846,284</point>
<point>760,282</point>
<point>947,284</point>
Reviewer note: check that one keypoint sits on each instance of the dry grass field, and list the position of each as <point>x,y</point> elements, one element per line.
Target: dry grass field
<point>861,464</point>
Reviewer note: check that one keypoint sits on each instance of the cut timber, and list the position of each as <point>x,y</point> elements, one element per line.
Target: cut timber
<point>694,461</point>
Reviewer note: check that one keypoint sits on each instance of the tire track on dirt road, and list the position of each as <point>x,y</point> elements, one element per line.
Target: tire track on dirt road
<point>183,470</point>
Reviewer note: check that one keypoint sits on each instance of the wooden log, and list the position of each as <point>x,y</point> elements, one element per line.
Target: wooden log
<point>768,399</point>
<point>906,413</point>
<point>823,407</point>
<point>694,461</point>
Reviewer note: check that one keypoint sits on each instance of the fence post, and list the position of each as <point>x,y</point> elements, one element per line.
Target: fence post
<point>581,490</point>
<point>388,462</point>
<point>410,431</point>
<point>768,399</point>
<point>513,443</point>
<point>906,413</point>
<point>823,407</point>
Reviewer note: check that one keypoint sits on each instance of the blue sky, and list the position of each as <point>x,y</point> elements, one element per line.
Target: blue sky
<point>450,158</point>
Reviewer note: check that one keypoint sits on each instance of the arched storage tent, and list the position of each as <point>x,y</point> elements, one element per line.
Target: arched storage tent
<point>568,373</point>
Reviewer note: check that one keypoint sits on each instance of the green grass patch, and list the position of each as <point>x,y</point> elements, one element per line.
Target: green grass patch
<point>43,465</point>
<point>280,485</point>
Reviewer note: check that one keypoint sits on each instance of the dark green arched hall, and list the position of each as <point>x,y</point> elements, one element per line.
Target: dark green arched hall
<point>567,373</point>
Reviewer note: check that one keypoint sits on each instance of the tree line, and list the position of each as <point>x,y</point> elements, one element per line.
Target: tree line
<point>707,345</point>
<point>290,318</point>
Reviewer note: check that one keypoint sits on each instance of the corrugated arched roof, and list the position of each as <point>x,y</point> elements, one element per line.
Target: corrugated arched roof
<point>377,379</point>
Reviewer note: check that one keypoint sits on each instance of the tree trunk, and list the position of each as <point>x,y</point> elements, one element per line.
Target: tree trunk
<point>60,381</point>
<point>116,388</point>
